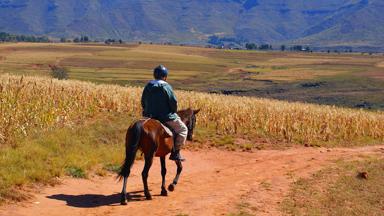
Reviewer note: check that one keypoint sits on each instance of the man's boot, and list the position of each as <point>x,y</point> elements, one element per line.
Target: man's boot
<point>176,156</point>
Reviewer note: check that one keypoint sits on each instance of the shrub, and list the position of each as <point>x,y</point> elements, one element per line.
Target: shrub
<point>58,72</point>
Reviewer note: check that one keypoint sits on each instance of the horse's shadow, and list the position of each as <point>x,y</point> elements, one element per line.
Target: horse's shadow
<point>96,200</point>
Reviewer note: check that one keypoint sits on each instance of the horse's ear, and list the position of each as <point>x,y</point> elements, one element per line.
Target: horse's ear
<point>196,111</point>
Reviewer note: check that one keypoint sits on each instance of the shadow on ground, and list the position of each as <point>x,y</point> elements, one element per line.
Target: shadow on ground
<point>96,200</point>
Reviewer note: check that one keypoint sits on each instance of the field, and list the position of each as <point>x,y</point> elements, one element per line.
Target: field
<point>78,127</point>
<point>38,103</point>
<point>332,189</point>
<point>351,80</point>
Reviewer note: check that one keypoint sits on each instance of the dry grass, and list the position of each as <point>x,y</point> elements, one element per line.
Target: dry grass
<point>339,191</point>
<point>29,103</point>
<point>41,103</point>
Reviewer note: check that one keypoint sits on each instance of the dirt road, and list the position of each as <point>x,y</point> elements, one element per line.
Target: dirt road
<point>213,183</point>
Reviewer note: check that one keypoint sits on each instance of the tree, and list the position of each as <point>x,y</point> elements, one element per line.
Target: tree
<point>250,46</point>
<point>297,48</point>
<point>265,47</point>
<point>6,37</point>
<point>282,48</point>
<point>58,72</point>
<point>84,39</point>
<point>214,40</point>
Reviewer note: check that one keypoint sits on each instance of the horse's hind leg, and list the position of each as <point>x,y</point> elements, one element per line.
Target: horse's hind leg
<point>163,173</point>
<point>123,200</point>
<point>132,141</point>
<point>172,186</point>
<point>144,175</point>
<point>126,170</point>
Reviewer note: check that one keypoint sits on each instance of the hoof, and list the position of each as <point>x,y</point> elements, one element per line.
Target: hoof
<point>123,200</point>
<point>164,193</point>
<point>171,187</point>
<point>148,196</point>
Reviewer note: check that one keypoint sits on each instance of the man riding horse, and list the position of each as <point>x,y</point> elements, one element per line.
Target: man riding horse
<point>159,102</point>
<point>152,138</point>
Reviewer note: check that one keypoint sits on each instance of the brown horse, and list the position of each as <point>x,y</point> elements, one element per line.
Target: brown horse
<point>153,139</point>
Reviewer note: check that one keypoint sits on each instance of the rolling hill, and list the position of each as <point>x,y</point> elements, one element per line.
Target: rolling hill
<point>320,23</point>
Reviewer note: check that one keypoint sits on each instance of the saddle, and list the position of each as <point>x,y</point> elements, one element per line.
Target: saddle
<point>166,145</point>
<point>168,130</point>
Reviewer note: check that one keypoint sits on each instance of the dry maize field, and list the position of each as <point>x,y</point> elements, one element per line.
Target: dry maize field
<point>28,104</point>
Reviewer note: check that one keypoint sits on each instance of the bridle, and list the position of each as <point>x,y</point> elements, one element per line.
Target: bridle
<point>192,122</point>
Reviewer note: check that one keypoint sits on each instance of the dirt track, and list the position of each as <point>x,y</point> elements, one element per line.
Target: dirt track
<point>213,183</point>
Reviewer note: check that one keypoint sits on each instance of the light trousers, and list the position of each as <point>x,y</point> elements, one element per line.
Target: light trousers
<point>180,130</point>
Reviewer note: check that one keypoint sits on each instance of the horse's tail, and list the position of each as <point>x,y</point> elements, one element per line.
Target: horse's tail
<point>131,146</point>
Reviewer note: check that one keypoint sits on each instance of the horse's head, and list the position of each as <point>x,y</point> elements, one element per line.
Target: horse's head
<point>188,116</point>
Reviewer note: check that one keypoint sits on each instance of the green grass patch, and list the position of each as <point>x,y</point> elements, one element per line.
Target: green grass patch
<point>76,172</point>
<point>207,135</point>
<point>112,167</point>
<point>340,191</point>
<point>65,151</point>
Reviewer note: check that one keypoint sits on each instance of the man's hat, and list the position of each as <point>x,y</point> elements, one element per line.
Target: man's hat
<point>160,72</point>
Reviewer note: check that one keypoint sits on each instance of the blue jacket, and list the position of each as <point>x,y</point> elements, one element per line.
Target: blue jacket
<point>159,101</point>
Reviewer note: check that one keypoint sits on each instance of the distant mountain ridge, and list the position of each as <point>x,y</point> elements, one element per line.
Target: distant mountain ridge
<point>318,23</point>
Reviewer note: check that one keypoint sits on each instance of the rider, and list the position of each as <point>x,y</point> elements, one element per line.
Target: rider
<point>159,102</point>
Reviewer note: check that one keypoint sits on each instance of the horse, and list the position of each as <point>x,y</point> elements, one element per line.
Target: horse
<point>154,140</point>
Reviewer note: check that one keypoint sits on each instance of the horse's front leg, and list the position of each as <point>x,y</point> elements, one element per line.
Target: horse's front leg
<point>172,186</point>
<point>163,173</point>
<point>144,175</point>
